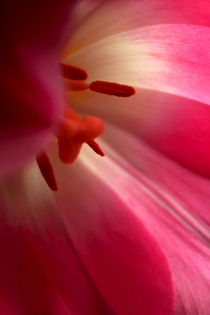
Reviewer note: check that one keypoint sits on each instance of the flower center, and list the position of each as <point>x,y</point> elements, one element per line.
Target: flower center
<point>72,131</point>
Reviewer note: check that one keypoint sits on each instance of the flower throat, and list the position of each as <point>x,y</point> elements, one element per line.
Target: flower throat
<point>72,131</point>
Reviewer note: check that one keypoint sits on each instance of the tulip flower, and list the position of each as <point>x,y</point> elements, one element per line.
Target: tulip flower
<point>105,128</point>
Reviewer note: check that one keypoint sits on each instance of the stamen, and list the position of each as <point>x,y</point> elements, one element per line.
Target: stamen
<point>96,148</point>
<point>73,72</point>
<point>112,88</point>
<point>47,170</point>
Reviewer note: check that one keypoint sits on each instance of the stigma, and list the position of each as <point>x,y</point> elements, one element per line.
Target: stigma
<point>73,131</point>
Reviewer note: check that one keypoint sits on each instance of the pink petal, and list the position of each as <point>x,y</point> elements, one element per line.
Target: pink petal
<point>123,259</point>
<point>156,60</point>
<point>96,19</point>
<point>31,91</point>
<point>135,186</point>
<point>174,203</point>
<point>40,271</point>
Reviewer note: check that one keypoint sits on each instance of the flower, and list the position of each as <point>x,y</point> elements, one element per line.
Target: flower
<point>127,233</point>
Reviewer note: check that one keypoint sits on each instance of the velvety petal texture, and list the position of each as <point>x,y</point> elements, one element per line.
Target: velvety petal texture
<point>89,27</point>
<point>171,203</point>
<point>119,252</point>
<point>31,92</point>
